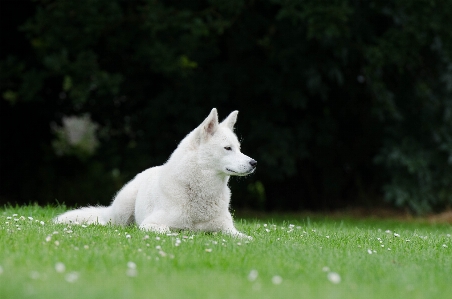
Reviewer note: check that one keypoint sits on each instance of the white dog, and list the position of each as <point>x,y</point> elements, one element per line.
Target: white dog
<point>189,192</point>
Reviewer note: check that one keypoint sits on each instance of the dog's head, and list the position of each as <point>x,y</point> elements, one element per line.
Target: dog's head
<point>219,148</point>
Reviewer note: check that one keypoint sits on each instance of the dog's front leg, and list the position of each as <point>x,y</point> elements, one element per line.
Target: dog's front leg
<point>227,227</point>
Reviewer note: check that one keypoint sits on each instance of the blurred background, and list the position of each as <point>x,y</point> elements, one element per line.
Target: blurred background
<point>343,103</point>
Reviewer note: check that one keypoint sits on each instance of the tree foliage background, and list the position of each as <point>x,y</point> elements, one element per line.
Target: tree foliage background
<point>341,102</point>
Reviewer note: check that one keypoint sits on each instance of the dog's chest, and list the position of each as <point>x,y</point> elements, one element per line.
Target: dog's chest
<point>204,203</point>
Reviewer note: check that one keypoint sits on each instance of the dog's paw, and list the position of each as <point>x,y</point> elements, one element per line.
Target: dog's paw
<point>249,238</point>
<point>157,228</point>
<point>240,235</point>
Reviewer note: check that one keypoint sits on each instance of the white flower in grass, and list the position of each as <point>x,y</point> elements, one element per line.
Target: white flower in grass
<point>444,245</point>
<point>252,276</point>
<point>60,267</point>
<point>388,231</point>
<point>334,277</point>
<point>15,215</point>
<point>277,279</point>
<point>131,269</point>
<point>41,222</point>
<point>128,236</point>
<point>34,275</point>
<point>71,277</point>
<point>396,235</point>
<point>30,218</point>
<point>208,249</point>
<point>48,238</point>
<point>369,251</point>
<point>8,218</point>
<point>131,272</point>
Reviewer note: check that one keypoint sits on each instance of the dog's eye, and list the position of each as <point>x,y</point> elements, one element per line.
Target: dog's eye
<point>228,148</point>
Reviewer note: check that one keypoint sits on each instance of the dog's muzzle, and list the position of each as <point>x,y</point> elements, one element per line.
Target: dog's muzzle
<point>253,163</point>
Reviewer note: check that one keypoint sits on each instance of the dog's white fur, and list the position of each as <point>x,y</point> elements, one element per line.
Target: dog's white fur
<point>189,192</point>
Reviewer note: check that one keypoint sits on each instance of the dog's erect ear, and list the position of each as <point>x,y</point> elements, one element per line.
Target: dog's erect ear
<point>230,120</point>
<point>210,125</point>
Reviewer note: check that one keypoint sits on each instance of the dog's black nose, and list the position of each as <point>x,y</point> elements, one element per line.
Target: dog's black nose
<point>253,163</point>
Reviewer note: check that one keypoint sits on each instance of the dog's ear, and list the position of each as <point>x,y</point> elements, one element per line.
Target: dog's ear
<point>209,126</point>
<point>230,120</point>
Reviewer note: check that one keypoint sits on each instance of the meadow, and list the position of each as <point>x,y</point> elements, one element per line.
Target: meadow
<point>289,257</point>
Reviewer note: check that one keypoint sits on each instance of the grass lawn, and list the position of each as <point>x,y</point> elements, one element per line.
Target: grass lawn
<point>288,258</point>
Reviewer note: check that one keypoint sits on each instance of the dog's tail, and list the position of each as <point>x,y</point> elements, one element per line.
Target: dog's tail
<point>88,215</point>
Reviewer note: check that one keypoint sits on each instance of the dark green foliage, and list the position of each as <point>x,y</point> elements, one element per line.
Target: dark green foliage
<point>340,102</point>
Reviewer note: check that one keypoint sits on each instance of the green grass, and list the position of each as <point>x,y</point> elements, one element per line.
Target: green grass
<point>99,261</point>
